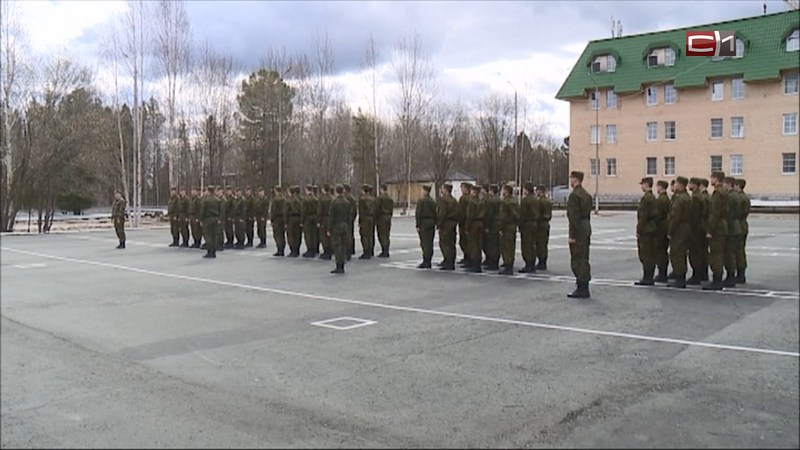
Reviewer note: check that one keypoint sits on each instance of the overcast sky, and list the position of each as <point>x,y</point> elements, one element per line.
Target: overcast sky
<point>477,47</point>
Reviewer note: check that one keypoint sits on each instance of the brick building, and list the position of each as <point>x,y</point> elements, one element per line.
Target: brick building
<point>646,109</point>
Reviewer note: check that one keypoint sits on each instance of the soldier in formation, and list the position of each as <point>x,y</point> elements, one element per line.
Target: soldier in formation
<point>508,219</point>
<point>543,227</point>
<point>384,209</point>
<point>172,212</point>
<point>447,218</point>
<point>209,212</point>
<point>425,217</point>
<point>277,217</point>
<point>338,228</point>
<point>491,238</point>
<point>323,211</point>
<point>366,222</point>
<point>579,208</point>
<point>260,212</point>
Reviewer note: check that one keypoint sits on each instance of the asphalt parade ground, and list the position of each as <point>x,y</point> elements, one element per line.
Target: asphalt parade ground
<point>154,346</point>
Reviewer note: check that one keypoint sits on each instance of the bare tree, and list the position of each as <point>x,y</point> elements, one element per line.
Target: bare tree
<point>415,77</point>
<point>172,41</point>
<point>371,63</point>
<point>111,52</point>
<point>445,135</point>
<point>495,130</point>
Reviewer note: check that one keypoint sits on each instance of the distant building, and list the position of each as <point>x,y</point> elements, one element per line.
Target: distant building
<point>663,114</point>
<point>396,185</point>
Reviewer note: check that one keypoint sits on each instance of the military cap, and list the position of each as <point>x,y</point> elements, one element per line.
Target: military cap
<point>309,187</point>
<point>741,182</point>
<point>729,180</point>
<point>117,191</point>
<point>426,187</point>
<point>278,188</point>
<point>448,187</point>
<point>704,182</point>
<point>366,187</point>
<point>694,180</point>
<point>173,188</point>
<point>663,184</point>
<point>238,189</point>
<point>183,188</point>
<point>261,188</point>
<point>528,186</point>
<point>339,189</point>
<point>577,175</point>
<point>492,187</point>
<point>508,188</point>
<point>384,187</point>
<point>682,181</point>
<point>346,186</point>
<point>542,188</point>
<point>718,174</point>
<point>210,188</point>
<point>229,188</point>
<point>647,180</point>
<point>326,187</point>
<point>466,185</point>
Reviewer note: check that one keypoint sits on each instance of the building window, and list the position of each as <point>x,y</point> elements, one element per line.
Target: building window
<point>611,63</point>
<point>669,130</point>
<point>790,123</point>
<point>651,167</point>
<point>669,57</point>
<point>793,41</point>
<point>593,167</point>
<point>611,167</point>
<point>716,163</point>
<point>669,166</point>
<point>594,100</point>
<point>716,128</point>
<point>789,163</point>
<point>652,95</point>
<point>717,90</point>
<point>737,89</point>
<point>652,131</point>
<point>611,134</point>
<point>737,127</point>
<point>669,94</point>
<point>739,48</point>
<point>790,83</point>
<point>594,131</point>
<point>611,99</point>
<point>604,63</point>
<point>737,164</point>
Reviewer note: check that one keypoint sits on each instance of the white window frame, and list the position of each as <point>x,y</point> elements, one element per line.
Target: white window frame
<point>737,164</point>
<point>593,167</point>
<point>787,119</point>
<point>647,166</point>
<point>594,100</point>
<point>793,41</point>
<point>611,134</point>
<point>795,78</point>
<point>667,172</point>
<point>783,163</point>
<point>652,95</point>
<point>611,99</point>
<point>721,127</point>
<point>594,134</point>
<point>739,48</point>
<point>611,63</point>
<point>611,162</point>
<point>669,56</point>
<point>674,130</point>
<point>717,91</point>
<point>711,163</point>
<point>737,89</point>
<point>670,94</point>
<point>654,127</point>
<point>739,128</point>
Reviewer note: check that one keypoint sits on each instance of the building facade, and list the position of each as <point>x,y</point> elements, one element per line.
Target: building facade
<point>639,106</point>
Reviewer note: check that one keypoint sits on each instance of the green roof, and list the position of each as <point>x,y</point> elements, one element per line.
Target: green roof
<point>765,56</point>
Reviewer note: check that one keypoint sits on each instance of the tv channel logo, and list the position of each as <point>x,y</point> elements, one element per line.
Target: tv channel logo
<point>710,43</point>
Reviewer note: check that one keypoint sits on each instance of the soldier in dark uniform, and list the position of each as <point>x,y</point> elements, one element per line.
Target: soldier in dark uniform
<point>118,211</point>
<point>222,219</point>
<point>679,232</point>
<point>294,226</point>
<point>172,212</point>
<point>353,211</point>
<point>447,215</point>
<point>425,216</point>
<point>579,209</point>
<point>260,212</point>
<point>230,202</point>
<point>543,227</point>
<point>315,193</point>
<point>366,222</point>
<point>717,231</point>
<point>238,216</point>
<point>734,232</point>
<point>195,219</point>
<point>210,212</point>
<point>744,213</point>
<point>528,222</point>
<point>463,201</point>
<point>705,197</point>
<point>475,229</point>
<point>508,218</point>
<point>249,215</point>
<point>384,209</point>
<point>324,209</point>
<point>662,257</point>
<point>646,226</point>
<point>309,221</point>
<point>491,240</point>
<point>697,243</point>
<point>338,228</point>
<point>278,220</point>
<point>183,216</point>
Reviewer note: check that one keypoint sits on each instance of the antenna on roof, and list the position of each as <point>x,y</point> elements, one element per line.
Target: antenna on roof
<point>616,28</point>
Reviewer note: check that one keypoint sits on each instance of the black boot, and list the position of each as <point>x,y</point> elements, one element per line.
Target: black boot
<point>184,245</point>
<point>678,282</point>
<point>740,277</point>
<point>582,291</point>
<point>704,273</point>
<point>662,275</point>
<point>365,255</point>
<point>542,265</point>
<point>715,285</point>
<point>294,253</point>
<point>695,279</point>
<point>174,243</point>
<point>262,244</point>
<point>384,254</point>
<point>424,265</point>
<point>671,276</point>
<point>447,265</point>
<point>730,281</point>
<point>475,267</point>
<point>213,253</point>
<point>507,270</point>
<point>526,269</point>
<point>339,268</point>
<point>647,278</point>
<point>492,266</point>
<point>209,254</point>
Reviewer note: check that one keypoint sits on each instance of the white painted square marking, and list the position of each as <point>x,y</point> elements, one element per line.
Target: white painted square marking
<point>330,323</point>
<point>30,266</point>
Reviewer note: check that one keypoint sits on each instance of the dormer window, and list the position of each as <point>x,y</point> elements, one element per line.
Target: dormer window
<point>739,48</point>
<point>604,63</point>
<point>793,41</point>
<point>664,56</point>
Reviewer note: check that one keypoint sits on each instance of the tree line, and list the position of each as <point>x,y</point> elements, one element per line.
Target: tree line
<point>164,111</point>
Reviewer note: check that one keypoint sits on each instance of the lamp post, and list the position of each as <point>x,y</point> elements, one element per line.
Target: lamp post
<point>596,145</point>
<point>280,127</point>
<point>517,165</point>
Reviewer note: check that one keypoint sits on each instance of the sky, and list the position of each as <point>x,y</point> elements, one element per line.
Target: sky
<point>476,47</point>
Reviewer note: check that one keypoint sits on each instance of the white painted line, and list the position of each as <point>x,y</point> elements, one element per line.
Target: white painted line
<point>30,266</point>
<point>330,323</point>
<point>420,310</point>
